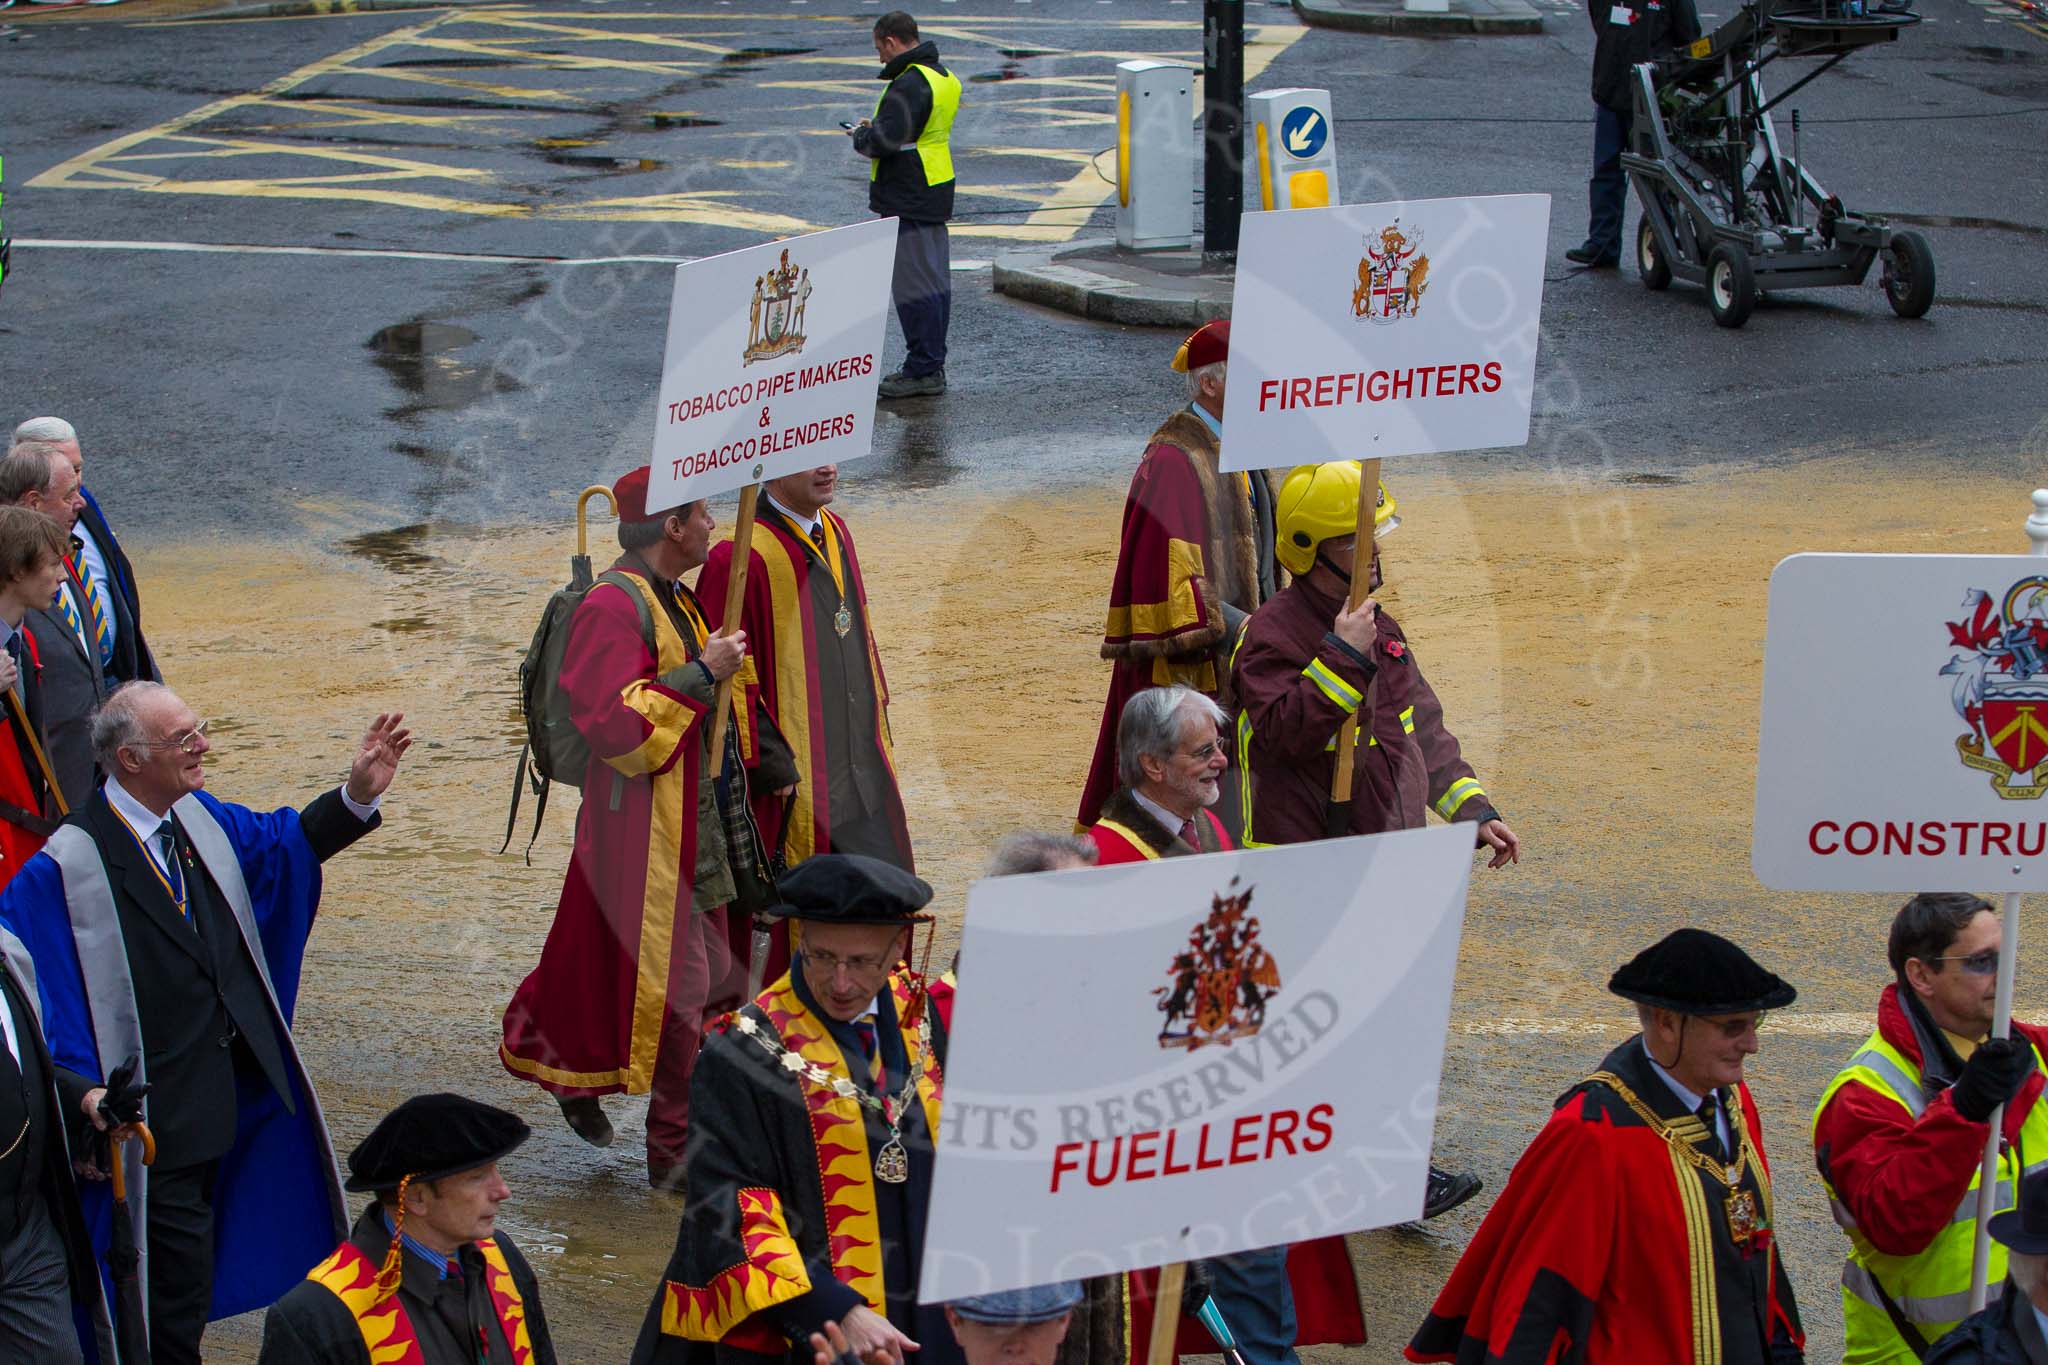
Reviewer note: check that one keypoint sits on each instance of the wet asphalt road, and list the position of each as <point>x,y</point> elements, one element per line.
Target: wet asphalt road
<point>386,391</point>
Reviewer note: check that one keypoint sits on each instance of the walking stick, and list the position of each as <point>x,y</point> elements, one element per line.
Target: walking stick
<point>735,592</point>
<point>1361,584</point>
<point>36,747</point>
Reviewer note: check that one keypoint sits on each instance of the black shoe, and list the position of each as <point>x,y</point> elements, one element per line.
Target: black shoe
<point>901,385</point>
<point>667,1179</point>
<point>585,1117</point>
<point>1447,1191</point>
<point>1590,256</point>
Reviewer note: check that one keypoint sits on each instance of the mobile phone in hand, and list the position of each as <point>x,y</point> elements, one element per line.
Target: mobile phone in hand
<point>849,127</point>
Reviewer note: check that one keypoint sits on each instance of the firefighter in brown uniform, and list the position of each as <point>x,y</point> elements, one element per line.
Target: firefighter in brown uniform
<point>424,1277</point>
<point>1306,664</point>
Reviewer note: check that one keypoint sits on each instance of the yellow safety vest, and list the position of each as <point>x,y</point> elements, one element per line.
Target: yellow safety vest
<point>1932,1289</point>
<point>934,149</point>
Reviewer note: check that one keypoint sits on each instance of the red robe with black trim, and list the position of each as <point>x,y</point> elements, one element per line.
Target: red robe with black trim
<point>1189,545</point>
<point>587,1020</point>
<point>1608,1248</point>
<point>22,789</point>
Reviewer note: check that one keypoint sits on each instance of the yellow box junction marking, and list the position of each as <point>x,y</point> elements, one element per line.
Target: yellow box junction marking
<point>581,64</point>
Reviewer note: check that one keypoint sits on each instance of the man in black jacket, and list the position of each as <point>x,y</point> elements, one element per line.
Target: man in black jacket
<point>1627,32</point>
<point>911,179</point>
<point>46,1260</point>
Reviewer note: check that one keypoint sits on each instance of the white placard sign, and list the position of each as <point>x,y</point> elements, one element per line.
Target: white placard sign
<point>1193,1056</point>
<point>1904,744</point>
<point>1373,330</point>
<point>771,361</point>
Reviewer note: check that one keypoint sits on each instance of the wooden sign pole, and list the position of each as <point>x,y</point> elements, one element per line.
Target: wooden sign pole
<point>1166,1313</point>
<point>36,747</point>
<point>1361,586</point>
<point>735,594</point>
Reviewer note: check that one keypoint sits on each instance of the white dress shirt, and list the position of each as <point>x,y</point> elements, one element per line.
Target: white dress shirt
<point>810,523</point>
<point>1693,1102</point>
<point>7,1027</point>
<point>1168,821</point>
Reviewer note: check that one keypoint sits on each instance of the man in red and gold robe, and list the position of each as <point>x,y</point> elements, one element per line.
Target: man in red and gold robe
<point>638,943</point>
<point>810,1163</point>
<point>1639,1226</point>
<point>1195,559</point>
<point>814,671</point>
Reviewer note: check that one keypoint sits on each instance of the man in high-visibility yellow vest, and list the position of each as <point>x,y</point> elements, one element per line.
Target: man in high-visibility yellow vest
<point>1900,1131</point>
<point>911,180</point>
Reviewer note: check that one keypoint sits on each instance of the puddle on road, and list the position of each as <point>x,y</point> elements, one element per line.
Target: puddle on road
<point>590,161</point>
<point>415,355</point>
<point>750,54</point>
<point>1008,71</point>
<point>400,549</point>
<point>661,120</point>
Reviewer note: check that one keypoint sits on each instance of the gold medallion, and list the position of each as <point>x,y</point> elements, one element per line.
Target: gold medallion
<point>1742,1219</point>
<point>843,622</point>
<point>892,1163</point>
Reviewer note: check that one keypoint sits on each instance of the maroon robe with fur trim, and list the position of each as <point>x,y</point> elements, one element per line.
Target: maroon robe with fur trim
<point>1189,545</point>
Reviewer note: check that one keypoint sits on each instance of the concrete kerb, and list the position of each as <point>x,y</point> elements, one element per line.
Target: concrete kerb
<point>1504,18</point>
<point>1063,277</point>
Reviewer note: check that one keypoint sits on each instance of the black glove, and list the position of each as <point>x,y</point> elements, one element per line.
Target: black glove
<point>122,1104</point>
<point>1992,1076</point>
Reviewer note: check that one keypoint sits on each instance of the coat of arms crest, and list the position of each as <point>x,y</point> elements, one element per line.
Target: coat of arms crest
<point>2001,686</point>
<point>1391,276</point>
<point>775,319</point>
<point>1222,981</point>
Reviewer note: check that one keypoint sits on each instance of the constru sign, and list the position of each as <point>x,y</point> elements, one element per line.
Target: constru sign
<point>1904,736</point>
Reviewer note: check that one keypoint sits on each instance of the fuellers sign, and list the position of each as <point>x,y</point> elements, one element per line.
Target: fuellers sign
<point>1243,1049</point>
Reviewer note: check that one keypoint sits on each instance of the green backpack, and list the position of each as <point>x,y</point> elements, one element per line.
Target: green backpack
<point>555,750</point>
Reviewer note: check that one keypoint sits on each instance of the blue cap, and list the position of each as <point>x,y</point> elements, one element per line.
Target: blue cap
<point>1021,1307</point>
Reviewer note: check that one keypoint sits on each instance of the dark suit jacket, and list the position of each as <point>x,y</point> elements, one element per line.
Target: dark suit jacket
<point>30,690</point>
<point>132,658</point>
<point>72,689</point>
<point>60,1126</point>
<point>206,1022</point>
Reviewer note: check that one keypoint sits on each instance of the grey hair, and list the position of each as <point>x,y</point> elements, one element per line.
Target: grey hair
<point>46,429</point>
<point>117,725</point>
<point>2027,1271</point>
<point>640,535</point>
<point>1217,369</point>
<point>28,467</point>
<point>1150,727</point>
<point>1027,852</point>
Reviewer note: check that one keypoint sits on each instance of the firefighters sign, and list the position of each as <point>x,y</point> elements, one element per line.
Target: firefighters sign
<point>1375,330</point>
<point>1243,1050</point>
<point>1904,744</point>
<point>771,359</point>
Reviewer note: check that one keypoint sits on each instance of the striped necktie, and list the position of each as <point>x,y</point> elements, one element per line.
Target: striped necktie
<point>871,1043</point>
<point>101,610</point>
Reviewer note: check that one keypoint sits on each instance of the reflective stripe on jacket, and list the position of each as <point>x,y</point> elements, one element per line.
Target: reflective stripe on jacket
<point>1930,1150</point>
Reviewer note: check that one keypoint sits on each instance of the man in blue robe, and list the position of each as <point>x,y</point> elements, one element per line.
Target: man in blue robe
<point>170,927</point>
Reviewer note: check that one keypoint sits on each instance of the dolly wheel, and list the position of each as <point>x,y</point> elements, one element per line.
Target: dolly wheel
<point>1650,262</point>
<point>1909,274</point>
<point>1731,285</point>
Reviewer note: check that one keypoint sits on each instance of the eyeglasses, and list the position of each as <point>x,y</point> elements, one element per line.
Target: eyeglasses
<point>1738,1025</point>
<point>1208,751</point>
<point>863,964</point>
<point>188,741</point>
<point>1984,963</point>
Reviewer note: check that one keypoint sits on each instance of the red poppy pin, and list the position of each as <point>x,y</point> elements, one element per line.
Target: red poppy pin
<point>1395,649</point>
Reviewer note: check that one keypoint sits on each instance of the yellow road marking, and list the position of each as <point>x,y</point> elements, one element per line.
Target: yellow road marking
<point>1056,210</point>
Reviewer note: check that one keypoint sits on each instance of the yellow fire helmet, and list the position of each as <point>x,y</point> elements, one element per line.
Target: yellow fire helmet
<point>1319,502</point>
